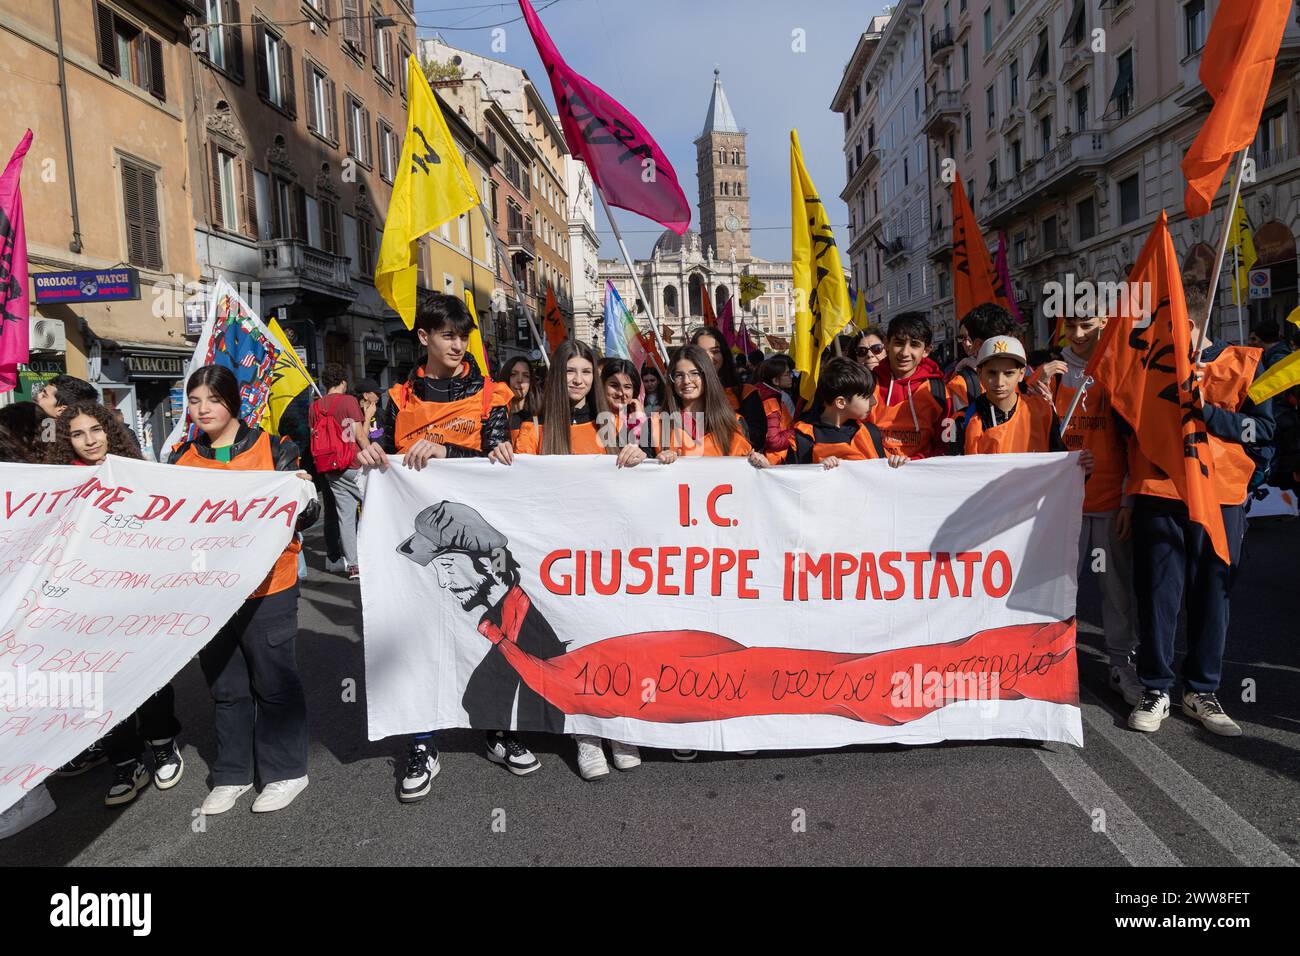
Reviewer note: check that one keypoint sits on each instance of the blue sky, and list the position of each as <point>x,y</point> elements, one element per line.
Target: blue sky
<point>657,59</point>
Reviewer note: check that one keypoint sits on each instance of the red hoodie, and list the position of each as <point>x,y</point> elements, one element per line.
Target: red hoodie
<point>910,412</point>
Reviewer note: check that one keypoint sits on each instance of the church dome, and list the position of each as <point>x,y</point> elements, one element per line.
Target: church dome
<point>669,244</point>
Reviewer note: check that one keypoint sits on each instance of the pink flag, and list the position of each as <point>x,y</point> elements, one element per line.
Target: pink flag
<point>626,163</point>
<point>15,306</point>
<point>1003,278</point>
<point>727,324</point>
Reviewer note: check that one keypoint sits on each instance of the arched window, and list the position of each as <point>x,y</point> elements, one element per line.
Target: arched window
<point>735,157</point>
<point>670,301</point>
<point>720,296</point>
<point>697,293</point>
<point>722,156</point>
<point>738,189</point>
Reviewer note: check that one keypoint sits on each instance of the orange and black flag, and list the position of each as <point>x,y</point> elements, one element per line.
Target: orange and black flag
<point>974,281</point>
<point>710,317</point>
<point>556,329</point>
<point>1144,361</point>
<point>1236,70</point>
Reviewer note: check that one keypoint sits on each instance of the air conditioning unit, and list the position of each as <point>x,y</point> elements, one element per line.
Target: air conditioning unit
<point>48,335</point>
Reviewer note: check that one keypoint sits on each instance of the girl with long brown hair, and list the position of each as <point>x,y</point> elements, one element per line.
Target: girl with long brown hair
<point>700,420</point>
<point>86,433</point>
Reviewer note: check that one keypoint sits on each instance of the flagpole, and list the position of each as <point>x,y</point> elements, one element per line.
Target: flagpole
<point>1223,251</point>
<point>636,279</point>
<point>1236,285</point>
<point>503,256</point>
<point>1078,396</point>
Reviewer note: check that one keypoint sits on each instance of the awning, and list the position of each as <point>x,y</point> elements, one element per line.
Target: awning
<point>1072,26</point>
<point>1123,84</point>
<point>1040,58</point>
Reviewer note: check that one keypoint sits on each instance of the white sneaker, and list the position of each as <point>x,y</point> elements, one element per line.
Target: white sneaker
<point>278,795</point>
<point>591,758</point>
<point>626,756</point>
<point>223,798</point>
<point>1150,712</point>
<point>1124,681</point>
<point>33,807</point>
<point>1207,709</point>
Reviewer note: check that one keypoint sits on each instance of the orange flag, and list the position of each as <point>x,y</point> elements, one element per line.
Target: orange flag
<point>710,317</point>
<point>556,330</point>
<point>973,280</point>
<point>1236,70</point>
<point>1146,370</point>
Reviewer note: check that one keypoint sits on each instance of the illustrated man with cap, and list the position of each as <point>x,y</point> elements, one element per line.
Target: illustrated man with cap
<point>472,561</point>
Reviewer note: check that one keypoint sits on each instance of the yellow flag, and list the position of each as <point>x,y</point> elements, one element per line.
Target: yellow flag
<point>1294,317</point>
<point>476,348</point>
<point>289,379</point>
<point>1276,380</point>
<point>821,296</point>
<point>432,187</point>
<point>860,319</point>
<point>1242,240</point>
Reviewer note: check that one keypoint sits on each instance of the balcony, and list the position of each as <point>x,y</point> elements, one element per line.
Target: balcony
<point>942,113</point>
<point>1040,90</point>
<point>292,263</point>
<point>941,42</point>
<point>1268,158</point>
<point>895,249</point>
<point>1077,157</point>
<point>522,242</point>
<point>1074,64</point>
<point>1059,248</point>
<point>940,246</point>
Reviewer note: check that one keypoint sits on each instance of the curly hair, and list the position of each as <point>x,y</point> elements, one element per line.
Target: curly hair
<point>20,424</point>
<point>61,452</point>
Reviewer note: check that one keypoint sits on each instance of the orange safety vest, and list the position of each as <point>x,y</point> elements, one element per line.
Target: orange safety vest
<point>960,385</point>
<point>584,439</point>
<point>867,443</point>
<point>448,423</point>
<point>682,443</point>
<point>284,573</point>
<point>1093,427</point>
<point>908,427</point>
<point>1224,382</point>
<point>773,406</point>
<point>734,399</point>
<point>1029,429</point>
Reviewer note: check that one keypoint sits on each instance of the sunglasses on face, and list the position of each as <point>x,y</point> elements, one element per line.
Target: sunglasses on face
<point>862,351</point>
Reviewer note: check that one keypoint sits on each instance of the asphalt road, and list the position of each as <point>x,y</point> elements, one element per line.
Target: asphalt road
<point>1180,797</point>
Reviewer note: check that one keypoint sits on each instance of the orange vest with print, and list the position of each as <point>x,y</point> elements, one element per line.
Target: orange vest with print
<point>682,443</point>
<point>284,573</point>
<point>867,444</point>
<point>1224,382</point>
<point>1093,427</point>
<point>448,423</point>
<point>908,427</point>
<point>584,439</point>
<point>1029,429</point>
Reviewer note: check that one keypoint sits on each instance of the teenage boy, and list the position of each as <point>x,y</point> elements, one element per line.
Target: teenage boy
<point>982,322</point>
<point>61,391</point>
<point>1003,421</point>
<point>447,408</point>
<point>837,431</point>
<point>912,413</point>
<point>345,489</point>
<point>1107,513</point>
<point>1173,557</point>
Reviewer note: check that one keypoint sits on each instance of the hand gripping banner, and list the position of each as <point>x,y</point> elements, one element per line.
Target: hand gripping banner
<point>709,605</point>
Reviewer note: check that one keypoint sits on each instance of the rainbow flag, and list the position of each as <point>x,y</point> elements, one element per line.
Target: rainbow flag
<point>622,337</point>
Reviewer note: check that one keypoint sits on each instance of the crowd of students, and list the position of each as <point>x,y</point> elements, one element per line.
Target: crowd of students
<point>879,396</point>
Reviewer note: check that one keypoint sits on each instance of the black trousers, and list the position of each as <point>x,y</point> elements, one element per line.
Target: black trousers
<point>261,711</point>
<point>490,691</point>
<point>154,720</point>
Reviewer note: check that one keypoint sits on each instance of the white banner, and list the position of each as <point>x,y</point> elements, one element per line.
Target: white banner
<point>709,605</point>
<point>111,579</point>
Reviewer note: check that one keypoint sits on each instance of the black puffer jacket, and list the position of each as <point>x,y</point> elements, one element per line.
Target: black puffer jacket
<point>468,381</point>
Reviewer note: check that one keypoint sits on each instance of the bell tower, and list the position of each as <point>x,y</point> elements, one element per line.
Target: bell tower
<point>722,168</point>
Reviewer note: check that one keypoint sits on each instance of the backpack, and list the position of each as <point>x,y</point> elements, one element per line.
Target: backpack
<point>329,449</point>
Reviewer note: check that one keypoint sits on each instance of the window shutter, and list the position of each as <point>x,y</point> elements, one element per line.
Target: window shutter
<point>365,122</point>
<point>329,226</point>
<point>390,57</point>
<point>333,132</point>
<point>350,122</point>
<point>131,208</point>
<point>277,227</point>
<point>218,213</point>
<point>106,40</point>
<point>259,60</point>
<point>377,40</point>
<point>309,90</point>
<point>401,70</point>
<point>351,21</point>
<point>157,82</point>
<point>248,198</point>
<point>234,38</point>
<point>300,213</point>
<point>149,218</point>
<point>286,77</point>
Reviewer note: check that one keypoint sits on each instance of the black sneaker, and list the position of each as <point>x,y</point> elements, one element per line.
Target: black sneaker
<point>506,750</point>
<point>128,780</point>
<point>685,756</point>
<point>421,767</point>
<point>168,764</point>
<point>92,756</point>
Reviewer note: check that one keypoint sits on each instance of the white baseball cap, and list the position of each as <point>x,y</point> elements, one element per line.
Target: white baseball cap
<point>1001,346</point>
